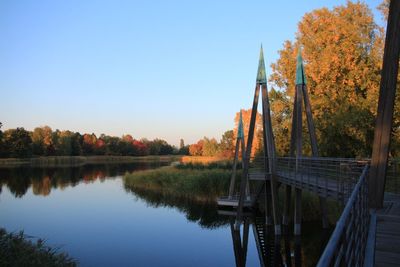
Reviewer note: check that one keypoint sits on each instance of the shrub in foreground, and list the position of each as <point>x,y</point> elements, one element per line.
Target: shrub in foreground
<point>17,250</point>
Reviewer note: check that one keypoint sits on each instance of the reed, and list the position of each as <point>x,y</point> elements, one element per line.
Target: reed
<point>191,181</point>
<point>16,249</point>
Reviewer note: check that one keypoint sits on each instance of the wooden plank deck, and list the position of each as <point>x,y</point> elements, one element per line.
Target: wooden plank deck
<point>234,202</point>
<point>387,246</point>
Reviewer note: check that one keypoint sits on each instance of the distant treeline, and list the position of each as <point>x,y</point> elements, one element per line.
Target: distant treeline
<point>43,141</point>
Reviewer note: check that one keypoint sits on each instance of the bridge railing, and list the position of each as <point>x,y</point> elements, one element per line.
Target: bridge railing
<point>347,243</point>
<point>330,177</point>
<point>393,176</point>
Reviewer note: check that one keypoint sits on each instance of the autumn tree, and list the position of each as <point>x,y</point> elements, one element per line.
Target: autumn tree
<point>210,147</point>
<point>342,50</point>
<point>227,145</point>
<point>197,148</point>
<point>258,130</point>
<point>42,141</point>
<point>88,144</point>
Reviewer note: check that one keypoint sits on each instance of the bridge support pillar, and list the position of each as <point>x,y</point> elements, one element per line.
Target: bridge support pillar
<point>268,204</point>
<point>297,212</point>
<point>286,209</point>
<point>275,209</point>
<point>324,212</point>
<point>384,119</point>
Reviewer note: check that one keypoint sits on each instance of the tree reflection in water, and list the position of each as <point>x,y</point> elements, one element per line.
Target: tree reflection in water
<point>289,252</point>
<point>42,180</point>
<point>205,213</point>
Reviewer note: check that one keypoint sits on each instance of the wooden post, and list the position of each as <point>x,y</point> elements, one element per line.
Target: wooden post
<point>387,92</point>
<point>314,149</point>
<point>299,143</point>
<point>247,178</point>
<point>233,177</point>
<point>268,136</point>
<point>246,226</point>
<point>268,204</point>
<point>288,196</point>
<point>286,208</point>
<point>239,245</point>
<point>310,121</point>
<point>246,159</point>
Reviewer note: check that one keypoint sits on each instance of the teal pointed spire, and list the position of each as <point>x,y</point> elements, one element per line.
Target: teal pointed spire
<point>240,134</point>
<point>261,77</point>
<point>300,75</point>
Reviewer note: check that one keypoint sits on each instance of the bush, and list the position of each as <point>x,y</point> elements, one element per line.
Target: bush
<point>17,250</point>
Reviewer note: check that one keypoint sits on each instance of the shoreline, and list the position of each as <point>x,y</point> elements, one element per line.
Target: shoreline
<point>66,161</point>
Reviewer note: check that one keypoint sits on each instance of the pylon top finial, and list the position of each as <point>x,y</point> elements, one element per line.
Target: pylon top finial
<point>300,75</point>
<point>240,134</point>
<point>261,76</point>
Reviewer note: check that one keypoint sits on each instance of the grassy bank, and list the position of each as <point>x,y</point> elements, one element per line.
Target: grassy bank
<point>207,182</point>
<point>81,160</point>
<point>202,184</point>
<point>202,159</point>
<point>18,250</point>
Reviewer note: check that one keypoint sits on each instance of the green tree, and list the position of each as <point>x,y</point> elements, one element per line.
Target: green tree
<point>68,143</point>
<point>2,147</point>
<point>18,143</point>
<point>183,150</point>
<point>42,141</point>
<point>342,49</point>
<point>227,144</point>
<point>210,147</point>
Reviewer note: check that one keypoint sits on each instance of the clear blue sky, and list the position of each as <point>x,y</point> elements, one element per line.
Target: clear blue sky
<point>166,69</point>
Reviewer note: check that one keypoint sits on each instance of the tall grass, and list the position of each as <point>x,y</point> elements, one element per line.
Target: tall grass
<point>206,182</point>
<point>18,250</point>
<point>200,183</point>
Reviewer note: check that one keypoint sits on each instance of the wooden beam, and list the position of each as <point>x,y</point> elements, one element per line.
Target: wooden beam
<point>299,122</point>
<point>314,149</point>
<point>387,92</point>
<point>233,177</point>
<point>243,148</point>
<point>297,212</point>
<point>299,132</point>
<point>246,159</point>
<point>293,132</point>
<point>268,204</point>
<point>286,207</point>
<point>268,135</point>
<point>310,121</point>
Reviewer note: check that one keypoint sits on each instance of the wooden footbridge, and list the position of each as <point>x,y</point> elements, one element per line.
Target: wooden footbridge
<point>368,231</point>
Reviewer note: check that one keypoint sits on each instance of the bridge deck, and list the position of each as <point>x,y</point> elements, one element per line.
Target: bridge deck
<point>387,246</point>
<point>320,185</point>
<point>233,202</point>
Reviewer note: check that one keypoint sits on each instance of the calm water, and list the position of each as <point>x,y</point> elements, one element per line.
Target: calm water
<point>88,213</point>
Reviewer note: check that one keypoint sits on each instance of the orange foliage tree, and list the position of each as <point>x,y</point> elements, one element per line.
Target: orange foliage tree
<point>257,146</point>
<point>342,51</point>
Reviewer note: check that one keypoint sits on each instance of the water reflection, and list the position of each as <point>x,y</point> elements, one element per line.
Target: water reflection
<point>42,180</point>
<point>284,251</point>
<point>289,252</point>
<point>205,213</point>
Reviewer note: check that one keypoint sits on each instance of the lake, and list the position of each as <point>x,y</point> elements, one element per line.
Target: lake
<point>89,213</point>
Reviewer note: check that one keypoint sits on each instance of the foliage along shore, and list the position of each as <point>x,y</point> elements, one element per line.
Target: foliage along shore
<point>194,181</point>
<point>17,250</point>
<point>65,161</point>
<point>205,183</point>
